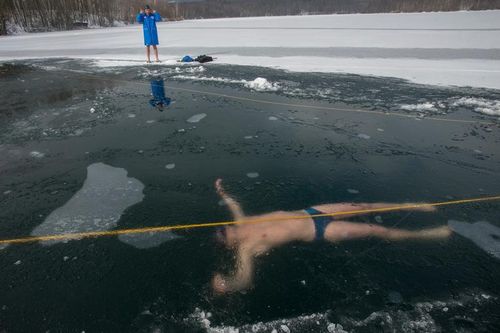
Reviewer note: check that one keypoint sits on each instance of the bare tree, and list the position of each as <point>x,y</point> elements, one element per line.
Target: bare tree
<point>45,15</point>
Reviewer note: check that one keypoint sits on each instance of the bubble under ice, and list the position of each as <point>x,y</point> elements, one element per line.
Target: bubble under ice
<point>483,234</point>
<point>196,118</point>
<point>148,240</point>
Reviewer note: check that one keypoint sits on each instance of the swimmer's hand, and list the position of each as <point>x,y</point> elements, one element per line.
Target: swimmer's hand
<point>218,186</point>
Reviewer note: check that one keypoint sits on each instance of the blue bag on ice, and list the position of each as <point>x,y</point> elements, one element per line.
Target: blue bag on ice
<point>187,59</point>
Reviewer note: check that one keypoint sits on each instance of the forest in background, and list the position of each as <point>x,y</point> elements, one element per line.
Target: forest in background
<point>49,15</point>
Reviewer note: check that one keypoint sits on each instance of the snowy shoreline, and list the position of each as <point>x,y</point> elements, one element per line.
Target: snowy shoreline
<point>439,48</point>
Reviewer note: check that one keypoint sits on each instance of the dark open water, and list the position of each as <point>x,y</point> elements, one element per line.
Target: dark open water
<point>55,123</point>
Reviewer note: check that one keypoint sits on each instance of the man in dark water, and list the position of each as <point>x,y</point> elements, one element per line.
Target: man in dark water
<point>250,240</point>
<point>148,18</point>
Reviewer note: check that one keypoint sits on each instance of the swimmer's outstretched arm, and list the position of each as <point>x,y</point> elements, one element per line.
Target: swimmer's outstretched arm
<point>241,279</point>
<point>233,205</point>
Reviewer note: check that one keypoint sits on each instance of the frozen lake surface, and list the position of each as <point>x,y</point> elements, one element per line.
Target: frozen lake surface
<point>453,48</point>
<point>87,147</point>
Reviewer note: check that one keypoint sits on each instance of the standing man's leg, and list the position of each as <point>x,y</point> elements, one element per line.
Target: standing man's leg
<point>156,53</point>
<point>148,53</point>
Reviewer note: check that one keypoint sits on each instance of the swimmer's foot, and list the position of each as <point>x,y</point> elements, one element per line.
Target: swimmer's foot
<point>435,233</point>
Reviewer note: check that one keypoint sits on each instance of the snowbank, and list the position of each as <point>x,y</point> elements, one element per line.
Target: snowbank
<point>453,48</point>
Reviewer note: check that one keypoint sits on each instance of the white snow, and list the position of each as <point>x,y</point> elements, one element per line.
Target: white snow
<point>252,174</point>
<point>446,48</point>
<point>170,166</point>
<point>352,191</point>
<point>261,84</point>
<point>427,106</point>
<point>481,105</point>
<point>273,118</point>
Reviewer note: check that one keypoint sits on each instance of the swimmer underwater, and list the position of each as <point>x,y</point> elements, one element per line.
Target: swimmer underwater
<point>252,240</point>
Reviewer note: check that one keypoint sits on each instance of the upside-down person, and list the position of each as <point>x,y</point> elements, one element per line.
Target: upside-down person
<point>250,240</point>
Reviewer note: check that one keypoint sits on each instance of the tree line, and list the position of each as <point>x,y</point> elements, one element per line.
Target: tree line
<point>239,8</point>
<point>46,15</point>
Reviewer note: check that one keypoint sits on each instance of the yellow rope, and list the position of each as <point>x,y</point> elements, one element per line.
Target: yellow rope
<point>95,234</point>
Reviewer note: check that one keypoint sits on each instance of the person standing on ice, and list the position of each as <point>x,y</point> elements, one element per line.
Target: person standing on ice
<point>148,18</point>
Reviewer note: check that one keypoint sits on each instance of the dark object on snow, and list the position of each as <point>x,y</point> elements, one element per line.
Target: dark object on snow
<point>204,58</point>
<point>80,25</point>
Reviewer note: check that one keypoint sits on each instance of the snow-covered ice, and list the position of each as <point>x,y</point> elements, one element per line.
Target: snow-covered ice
<point>97,206</point>
<point>170,166</point>
<point>483,234</point>
<point>252,174</point>
<point>446,48</point>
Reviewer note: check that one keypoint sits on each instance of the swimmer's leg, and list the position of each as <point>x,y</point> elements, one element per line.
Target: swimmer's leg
<point>354,209</point>
<point>340,230</point>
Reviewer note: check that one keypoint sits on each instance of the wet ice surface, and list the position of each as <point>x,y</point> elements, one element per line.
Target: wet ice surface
<point>273,156</point>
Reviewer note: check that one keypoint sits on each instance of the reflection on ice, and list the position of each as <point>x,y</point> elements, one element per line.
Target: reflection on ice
<point>97,206</point>
<point>159,100</point>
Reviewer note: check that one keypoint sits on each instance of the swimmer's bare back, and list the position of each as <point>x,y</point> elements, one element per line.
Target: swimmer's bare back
<point>257,235</point>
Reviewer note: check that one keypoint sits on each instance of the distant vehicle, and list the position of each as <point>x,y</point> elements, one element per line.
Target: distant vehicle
<point>80,25</point>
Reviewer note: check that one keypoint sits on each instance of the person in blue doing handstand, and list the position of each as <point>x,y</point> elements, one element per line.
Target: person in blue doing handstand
<point>148,18</point>
<point>159,99</point>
